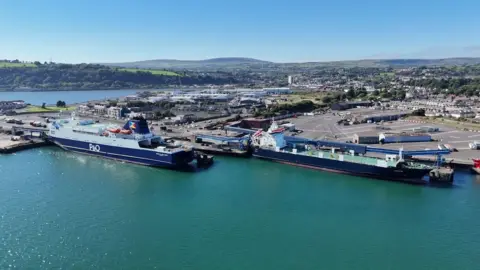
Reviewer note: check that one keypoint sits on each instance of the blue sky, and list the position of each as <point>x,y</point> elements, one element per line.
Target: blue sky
<point>282,31</point>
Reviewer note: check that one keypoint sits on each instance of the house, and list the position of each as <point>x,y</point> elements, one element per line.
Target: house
<point>462,114</point>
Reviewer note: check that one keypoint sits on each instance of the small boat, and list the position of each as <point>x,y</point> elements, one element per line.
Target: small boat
<point>476,165</point>
<point>125,131</point>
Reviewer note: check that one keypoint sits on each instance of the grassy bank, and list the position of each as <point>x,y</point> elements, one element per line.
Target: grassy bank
<point>152,71</point>
<point>39,109</point>
<point>15,65</point>
<point>315,97</point>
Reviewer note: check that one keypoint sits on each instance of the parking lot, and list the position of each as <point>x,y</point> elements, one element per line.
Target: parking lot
<point>325,127</point>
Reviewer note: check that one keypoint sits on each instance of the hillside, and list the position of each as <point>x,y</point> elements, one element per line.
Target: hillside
<point>90,76</point>
<point>191,64</point>
<point>245,63</point>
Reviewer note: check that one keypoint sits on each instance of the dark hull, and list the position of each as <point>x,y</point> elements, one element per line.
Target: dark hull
<point>179,160</point>
<point>336,166</point>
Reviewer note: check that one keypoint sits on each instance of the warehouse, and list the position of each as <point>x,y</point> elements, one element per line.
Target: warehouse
<point>425,129</point>
<point>366,138</point>
<point>384,117</point>
<point>350,105</point>
<point>404,137</point>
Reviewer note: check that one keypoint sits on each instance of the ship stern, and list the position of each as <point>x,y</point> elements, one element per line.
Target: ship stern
<point>182,159</point>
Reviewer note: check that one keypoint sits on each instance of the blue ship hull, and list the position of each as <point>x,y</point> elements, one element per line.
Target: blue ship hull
<point>397,174</point>
<point>145,157</point>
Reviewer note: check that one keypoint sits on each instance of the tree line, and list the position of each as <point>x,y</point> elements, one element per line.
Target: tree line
<point>91,76</point>
<point>362,93</point>
<point>457,86</point>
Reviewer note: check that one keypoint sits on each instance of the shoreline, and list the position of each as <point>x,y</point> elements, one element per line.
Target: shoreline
<point>72,90</point>
<point>108,89</point>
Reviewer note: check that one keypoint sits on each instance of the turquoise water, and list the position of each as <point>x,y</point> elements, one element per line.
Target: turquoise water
<point>37,98</point>
<point>69,211</point>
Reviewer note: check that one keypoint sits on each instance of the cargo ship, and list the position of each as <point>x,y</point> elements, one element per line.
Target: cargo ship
<point>133,143</point>
<point>271,145</point>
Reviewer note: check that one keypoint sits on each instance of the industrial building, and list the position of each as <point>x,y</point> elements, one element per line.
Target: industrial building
<point>384,117</point>
<point>277,91</point>
<point>424,129</point>
<point>404,137</point>
<point>350,105</point>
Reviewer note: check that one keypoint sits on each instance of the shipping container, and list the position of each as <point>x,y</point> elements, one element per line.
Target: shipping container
<point>366,138</point>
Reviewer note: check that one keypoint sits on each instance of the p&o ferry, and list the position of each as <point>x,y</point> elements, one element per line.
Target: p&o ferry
<point>132,143</point>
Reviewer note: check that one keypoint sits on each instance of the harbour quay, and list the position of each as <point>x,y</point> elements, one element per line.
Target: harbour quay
<point>325,126</point>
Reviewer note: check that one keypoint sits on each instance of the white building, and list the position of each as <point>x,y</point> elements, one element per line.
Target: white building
<point>99,109</point>
<point>83,109</point>
<point>462,114</point>
<point>114,112</point>
<point>290,80</point>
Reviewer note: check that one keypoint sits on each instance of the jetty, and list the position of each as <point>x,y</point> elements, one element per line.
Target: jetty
<point>23,138</point>
<point>9,146</point>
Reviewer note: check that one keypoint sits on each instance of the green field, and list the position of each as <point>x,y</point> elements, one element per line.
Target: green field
<point>39,109</point>
<point>298,97</point>
<point>13,65</point>
<point>387,74</point>
<point>153,71</point>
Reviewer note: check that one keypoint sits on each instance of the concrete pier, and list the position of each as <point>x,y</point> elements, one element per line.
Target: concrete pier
<point>8,146</point>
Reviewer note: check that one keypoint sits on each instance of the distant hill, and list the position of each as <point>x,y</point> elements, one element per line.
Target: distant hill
<point>190,64</point>
<point>240,62</point>
<point>20,76</point>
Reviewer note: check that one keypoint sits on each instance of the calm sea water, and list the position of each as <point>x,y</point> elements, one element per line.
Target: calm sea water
<point>64,210</point>
<point>51,97</point>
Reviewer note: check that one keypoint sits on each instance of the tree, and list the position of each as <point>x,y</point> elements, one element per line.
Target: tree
<point>327,99</point>
<point>351,93</point>
<point>43,105</point>
<point>61,103</point>
<point>386,94</point>
<point>362,92</point>
<point>419,112</point>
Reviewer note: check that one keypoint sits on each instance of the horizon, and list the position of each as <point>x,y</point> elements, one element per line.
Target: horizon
<point>305,31</point>
<point>195,60</point>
